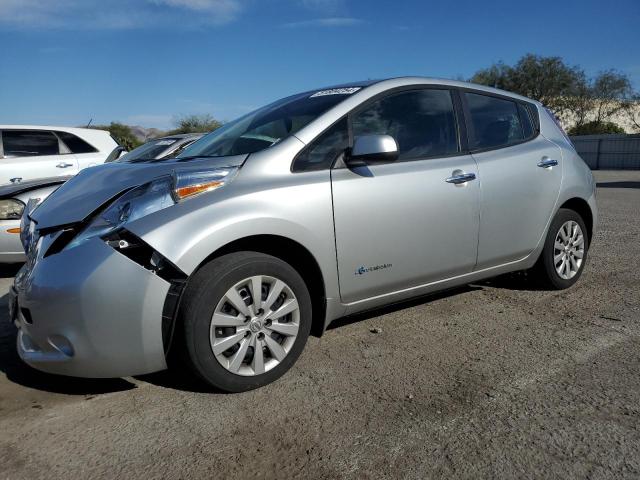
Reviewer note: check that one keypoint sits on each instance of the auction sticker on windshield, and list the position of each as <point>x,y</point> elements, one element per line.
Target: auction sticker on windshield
<point>336,91</point>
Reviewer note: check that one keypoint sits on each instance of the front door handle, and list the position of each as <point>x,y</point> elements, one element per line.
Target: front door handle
<point>64,165</point>
<point>458,178</point>
<point>547,163</point>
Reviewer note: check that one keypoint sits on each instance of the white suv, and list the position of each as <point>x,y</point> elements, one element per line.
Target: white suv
<point>30,152</point>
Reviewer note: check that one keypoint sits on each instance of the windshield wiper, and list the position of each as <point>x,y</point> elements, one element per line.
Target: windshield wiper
<point>136,160</point>
<point>193,157</point>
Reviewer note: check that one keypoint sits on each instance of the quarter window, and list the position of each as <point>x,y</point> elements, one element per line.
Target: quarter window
<point>28,143</point>
<point>525,118</point>
<point>324,150</point>
<point>496,121</point>
<point>421,121</point>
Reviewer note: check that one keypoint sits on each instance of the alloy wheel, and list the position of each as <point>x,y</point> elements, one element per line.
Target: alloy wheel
<point>568,250</point>
<point>254,325</point>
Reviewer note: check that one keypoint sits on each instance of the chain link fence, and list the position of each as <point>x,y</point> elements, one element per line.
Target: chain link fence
<point>609,152</point>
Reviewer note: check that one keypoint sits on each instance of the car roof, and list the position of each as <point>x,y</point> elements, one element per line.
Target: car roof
<point>60,128</point>
<point>361,83</point>
<point>393,82</point>
<point>417,80</point>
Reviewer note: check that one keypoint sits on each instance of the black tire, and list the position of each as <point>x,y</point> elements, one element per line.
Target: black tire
<point>203,292</point>
<point>544,271</point>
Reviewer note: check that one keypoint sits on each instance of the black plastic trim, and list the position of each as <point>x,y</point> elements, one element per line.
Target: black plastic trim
<point>170,312</point>
<point>61,241</point>
<point>137,250</point>
<point>294,169</point>
<point>458,107</point>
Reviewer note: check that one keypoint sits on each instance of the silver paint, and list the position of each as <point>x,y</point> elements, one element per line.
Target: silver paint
<point>431,232</point>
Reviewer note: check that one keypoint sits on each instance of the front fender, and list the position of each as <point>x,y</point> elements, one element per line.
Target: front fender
<point>300,210</point>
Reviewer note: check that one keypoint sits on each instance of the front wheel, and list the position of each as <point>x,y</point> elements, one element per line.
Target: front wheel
<point>246,319</point>
<point>565,251</point>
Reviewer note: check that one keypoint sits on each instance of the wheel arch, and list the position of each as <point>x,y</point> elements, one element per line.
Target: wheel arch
<point>582,208</point>
<point>296,255</point>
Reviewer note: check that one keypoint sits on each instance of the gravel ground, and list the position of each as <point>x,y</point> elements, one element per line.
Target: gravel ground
<point>491,380</point>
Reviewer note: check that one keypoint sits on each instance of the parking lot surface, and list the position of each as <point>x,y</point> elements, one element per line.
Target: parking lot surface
<point>491,380</point>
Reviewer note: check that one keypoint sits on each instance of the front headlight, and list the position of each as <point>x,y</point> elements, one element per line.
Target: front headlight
<point>152,197</point>
<point>11,209</point>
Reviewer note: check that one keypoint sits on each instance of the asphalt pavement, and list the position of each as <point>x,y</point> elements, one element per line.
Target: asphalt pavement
<point>493,380</point>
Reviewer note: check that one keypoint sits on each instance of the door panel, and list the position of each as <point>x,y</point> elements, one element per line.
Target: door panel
<point>517,199</point>
<point>32,168</point>
<point>32,154</point>
<point>89,159</point>
<point>401,224</point>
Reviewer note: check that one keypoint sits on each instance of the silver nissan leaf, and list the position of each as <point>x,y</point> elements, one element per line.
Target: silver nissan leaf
<point>317,206</point>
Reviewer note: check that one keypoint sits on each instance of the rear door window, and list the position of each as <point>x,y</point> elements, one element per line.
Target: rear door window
<point>29,143</point>
<point>495,122</point>
<point>74,143</point>
<point>422,122</point>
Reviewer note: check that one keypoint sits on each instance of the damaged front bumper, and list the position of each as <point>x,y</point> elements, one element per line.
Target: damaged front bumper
<point>89,311</point>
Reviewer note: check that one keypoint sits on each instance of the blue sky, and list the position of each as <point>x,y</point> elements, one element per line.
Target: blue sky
<point>147,61</point>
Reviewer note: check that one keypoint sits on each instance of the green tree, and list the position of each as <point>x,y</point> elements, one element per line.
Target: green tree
<point>633,111</point>
<point>122,134</point>
<point>563,88</point>
<point>595,128</point>
<point>599,99</point>
<point>612,93</point>
<point>497,75</point>
<point>546,79</point>
<point>200,123</point>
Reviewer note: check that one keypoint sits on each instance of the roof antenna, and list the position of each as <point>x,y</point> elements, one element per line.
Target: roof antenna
<point>89,124</point>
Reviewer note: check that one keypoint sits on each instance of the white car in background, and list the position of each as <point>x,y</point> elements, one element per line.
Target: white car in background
<point>160,148</point>
<point>13,201</point>
<point>15,197</point>
<point>30,152</point>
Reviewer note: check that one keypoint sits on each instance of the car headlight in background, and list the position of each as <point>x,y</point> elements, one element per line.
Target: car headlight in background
<point>152,197</point>
<point>11,209</point>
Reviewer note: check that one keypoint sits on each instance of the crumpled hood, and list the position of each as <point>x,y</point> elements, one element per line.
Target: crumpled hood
<point>78,198</point>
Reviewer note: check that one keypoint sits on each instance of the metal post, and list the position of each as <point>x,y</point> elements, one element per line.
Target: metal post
<point>598,154</point>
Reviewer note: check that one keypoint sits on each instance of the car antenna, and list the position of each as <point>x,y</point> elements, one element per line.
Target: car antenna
<point>89,124</point>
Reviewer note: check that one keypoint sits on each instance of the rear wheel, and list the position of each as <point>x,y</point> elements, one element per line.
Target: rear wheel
<point>246,319</point>
<point>565,251</point>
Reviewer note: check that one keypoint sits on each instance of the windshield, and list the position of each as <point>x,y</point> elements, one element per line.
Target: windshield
<point>266,126</point>
<point>148,151</point>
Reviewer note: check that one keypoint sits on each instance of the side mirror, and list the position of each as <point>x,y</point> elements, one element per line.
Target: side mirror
<point>373,149</point>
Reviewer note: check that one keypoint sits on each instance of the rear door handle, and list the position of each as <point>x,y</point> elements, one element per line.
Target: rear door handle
<point>461,178</point>
<point>64,165</point>
<point>547,163</point>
